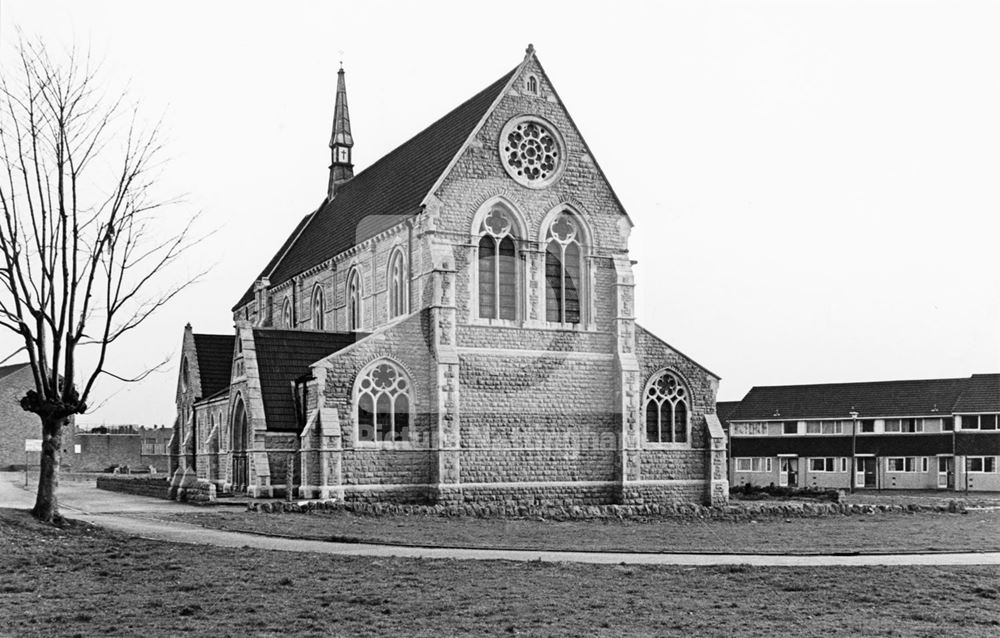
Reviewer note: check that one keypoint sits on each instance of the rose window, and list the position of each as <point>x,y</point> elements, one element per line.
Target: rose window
<point>531,152</point>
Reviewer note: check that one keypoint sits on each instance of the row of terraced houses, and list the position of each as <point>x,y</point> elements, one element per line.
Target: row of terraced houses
<point>927,434</point>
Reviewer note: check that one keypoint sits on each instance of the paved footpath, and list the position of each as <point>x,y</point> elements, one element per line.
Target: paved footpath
<point>124,513</point>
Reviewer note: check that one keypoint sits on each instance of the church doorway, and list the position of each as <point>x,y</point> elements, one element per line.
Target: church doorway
<point>241,467</point>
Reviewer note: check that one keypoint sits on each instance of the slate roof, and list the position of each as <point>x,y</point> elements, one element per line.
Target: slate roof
<point>382,195</point>
<point>12,368</point>
<point>834,400</point>
<point>981,394</point>
<point>724,408</point>
<point>215,361</point>
<point>282,357</point>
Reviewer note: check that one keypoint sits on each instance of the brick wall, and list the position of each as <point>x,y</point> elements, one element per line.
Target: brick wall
<point>100,451</point>
<point>16,425</point>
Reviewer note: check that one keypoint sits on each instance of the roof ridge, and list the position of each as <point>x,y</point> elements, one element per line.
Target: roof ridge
<point>387,155</point>
<point>387,189</point>
<point>846,383</point>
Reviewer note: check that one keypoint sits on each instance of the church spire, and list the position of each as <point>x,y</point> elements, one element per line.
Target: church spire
<point>341,142</point>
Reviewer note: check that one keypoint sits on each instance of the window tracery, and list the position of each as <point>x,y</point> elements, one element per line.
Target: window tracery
<point>532,151</point>
<point>383,404</point>
<point>498,257</point>
<point>563,268</point>
<point>667,409</point>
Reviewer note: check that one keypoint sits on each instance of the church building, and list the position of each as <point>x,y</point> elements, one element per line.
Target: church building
<point>455,323</point>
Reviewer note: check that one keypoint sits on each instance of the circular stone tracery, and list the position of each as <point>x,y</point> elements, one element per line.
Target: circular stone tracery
<point>531,150</point>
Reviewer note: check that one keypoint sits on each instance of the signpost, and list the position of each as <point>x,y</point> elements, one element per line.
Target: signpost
<point>30,445</point>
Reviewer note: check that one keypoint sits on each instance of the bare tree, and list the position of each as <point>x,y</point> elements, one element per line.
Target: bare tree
<point>81,239</point>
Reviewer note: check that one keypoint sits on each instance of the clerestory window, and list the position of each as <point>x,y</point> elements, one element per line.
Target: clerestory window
<point>354,300</point>
<point>397,285</point>
<point>318,310</point>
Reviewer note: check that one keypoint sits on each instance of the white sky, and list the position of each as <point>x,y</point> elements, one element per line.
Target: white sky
<point>814,184</point>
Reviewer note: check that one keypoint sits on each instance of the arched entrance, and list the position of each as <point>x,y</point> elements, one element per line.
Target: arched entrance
<point>241,467</point>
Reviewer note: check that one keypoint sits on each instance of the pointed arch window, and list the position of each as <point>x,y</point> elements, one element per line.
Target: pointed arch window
<point>318,308</point>
<point>563,270</point>
<point>498,270</point>
<point>286,313</point>
<point>532,85</point>
<point>398,299</point>
<point>383,405</point>
<point>354,300</point>
<point>667,409</point>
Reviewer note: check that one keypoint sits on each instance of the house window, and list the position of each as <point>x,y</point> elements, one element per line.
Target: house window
<point>982,464</point>
<point>923,464</point>
<point>828,464</point>
<point>286,313</point>
<point>901,464</point>
<point>397,285</point>
<point>908,426</point>
<point>756,428</point>
<point>790,427</point>
<point>867,425</point>
<point>666,409</point>
<point>563,267</point>
<point>498,257</point>
<point>949,424</point>
<point>753,464</point>
<point>814,427</point>
<point>383,404</point>
<point>354,300</point>
<point>843,465</point>
<point>833,427</point>
<point>979,421</point>
<point>318,311</point>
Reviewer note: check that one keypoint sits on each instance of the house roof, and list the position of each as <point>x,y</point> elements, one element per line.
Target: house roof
<point>724,408</point>
<point>215,361</point>
<point>835,400</point>
<point>980,394</point>
<point>282,357</point>
<point>12,368</point>
<point>387,192</point>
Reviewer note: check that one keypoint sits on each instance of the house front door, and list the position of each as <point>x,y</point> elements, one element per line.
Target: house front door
<point>788,472</point>
<point>865,467</point>
<point>946,472</point>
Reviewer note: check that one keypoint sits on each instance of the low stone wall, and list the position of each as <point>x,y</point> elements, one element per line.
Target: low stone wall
<point>139,485</point>
<point>733,512</point>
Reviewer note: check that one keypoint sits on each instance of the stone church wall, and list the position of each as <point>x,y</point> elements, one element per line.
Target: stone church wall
<point>384,467</point>
<point>536,418</point>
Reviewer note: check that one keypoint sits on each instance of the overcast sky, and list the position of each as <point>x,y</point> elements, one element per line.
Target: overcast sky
<point>815,186</point>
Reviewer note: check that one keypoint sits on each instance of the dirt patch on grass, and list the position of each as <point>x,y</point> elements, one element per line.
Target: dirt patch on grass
<point>890,532</point>
<point>86,581</point>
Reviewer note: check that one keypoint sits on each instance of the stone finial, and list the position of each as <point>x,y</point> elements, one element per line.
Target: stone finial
<point>530,50</point>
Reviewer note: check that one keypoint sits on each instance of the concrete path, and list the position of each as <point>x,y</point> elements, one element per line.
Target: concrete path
<point>124,513</point>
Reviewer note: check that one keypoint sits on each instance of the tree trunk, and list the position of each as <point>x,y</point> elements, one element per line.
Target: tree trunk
<point>46,504</point>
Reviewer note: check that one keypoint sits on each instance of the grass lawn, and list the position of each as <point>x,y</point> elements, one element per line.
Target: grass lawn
<point>926,531</point>
<point>86,581</point>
